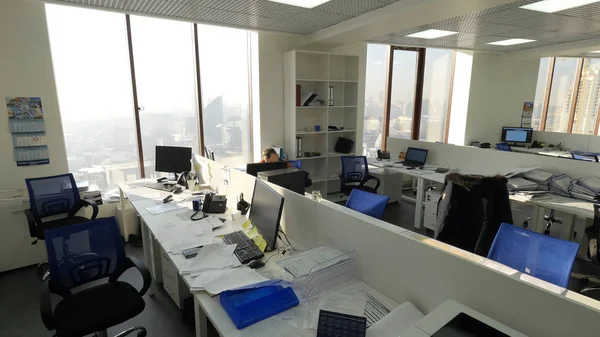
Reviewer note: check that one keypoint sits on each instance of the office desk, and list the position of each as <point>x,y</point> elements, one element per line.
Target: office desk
<point>205,306</point>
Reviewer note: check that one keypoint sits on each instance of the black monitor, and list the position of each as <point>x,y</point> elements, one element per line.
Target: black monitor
<point>517,135</point>
<point>265,212</point>
<point>416,155</point>
<point>253,168</point>
<point>173,159</point>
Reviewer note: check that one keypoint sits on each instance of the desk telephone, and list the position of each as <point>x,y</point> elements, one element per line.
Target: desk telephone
<point>381,155</point>
<point>214,203</point>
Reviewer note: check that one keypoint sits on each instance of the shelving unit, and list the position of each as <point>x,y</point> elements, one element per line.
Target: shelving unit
<point>316,72</point>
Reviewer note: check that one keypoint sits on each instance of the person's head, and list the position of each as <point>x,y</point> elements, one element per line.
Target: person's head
<point>270,155</point>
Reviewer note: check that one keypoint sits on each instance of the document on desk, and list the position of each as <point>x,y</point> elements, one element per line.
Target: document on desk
<point>520,171</point>
<point>316,259</point>
<point>400,319</point>
<point>272,327</point>
<point>232,279</point>
<point>376,307</point>
<point>163,208</point>
<point>350,304</point>
<point>211,256</point>
<point>142,194</point>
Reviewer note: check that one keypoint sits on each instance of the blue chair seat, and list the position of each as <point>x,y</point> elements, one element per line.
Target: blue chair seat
<point>541,256</point>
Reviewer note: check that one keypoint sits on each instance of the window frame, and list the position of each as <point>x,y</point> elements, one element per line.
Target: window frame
<point>418,99</point>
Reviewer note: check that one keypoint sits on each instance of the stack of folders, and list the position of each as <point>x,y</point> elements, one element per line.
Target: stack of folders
<point>560,184</point>
<point>521,184</point>
<point>586,188</point>
<point>542,178</point>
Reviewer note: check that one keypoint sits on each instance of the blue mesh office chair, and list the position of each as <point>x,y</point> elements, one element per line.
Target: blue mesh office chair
<point>503,147</point>
<point>371,204</point>
<point>80,254</point>
<point>50,196</point>
<point>538,255</point>
<point>355,173</point>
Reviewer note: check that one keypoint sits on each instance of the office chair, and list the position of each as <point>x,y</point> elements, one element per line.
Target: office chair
<point>371,204</point>
<point>355,173</point>
<point>51,196</point>
<point>593,252</point>
<point>503,147</point>
<point>585,157</point>
<point>78,255</point>
<point>538,255</point>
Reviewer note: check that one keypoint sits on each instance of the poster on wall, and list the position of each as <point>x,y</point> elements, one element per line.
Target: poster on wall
<point>26,123</point>
<point>527,114</point>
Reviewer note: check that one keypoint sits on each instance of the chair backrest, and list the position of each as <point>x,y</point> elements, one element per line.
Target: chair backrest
<point>82,253</point>
<point>295,163</point>
<point>538,255</point>
<point>503,147</point>
<point>52,195</point>
<point>368,203</point>
<point>355,169</point>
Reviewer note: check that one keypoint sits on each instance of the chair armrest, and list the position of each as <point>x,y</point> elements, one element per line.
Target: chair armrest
<point>46,305</point>
<point>370,177</point>
<point>85,203</point>
<point>133,262</point>
<point>32,223</point>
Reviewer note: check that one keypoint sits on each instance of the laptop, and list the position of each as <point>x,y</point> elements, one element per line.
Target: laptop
<point>415,157</point>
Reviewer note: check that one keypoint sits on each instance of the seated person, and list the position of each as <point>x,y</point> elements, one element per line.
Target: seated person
<point>271,156</point>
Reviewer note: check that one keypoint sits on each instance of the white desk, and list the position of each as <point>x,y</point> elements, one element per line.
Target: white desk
<point>205,306</point>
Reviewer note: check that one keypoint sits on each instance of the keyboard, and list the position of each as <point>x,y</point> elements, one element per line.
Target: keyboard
<point>246,249</point>
<point>334,324</point>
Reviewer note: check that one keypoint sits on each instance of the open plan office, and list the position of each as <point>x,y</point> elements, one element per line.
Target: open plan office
<point>292,168</point>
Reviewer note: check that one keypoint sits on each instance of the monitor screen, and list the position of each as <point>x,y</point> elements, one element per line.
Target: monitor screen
<point>265,212</point>
<point>517,135</point>
<point>464,325</point>
<point>416,155</point>
<point>253,168</point>
<point>173,159</point>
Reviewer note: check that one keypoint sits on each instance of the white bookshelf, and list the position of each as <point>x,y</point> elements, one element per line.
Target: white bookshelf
<point>316,72</point>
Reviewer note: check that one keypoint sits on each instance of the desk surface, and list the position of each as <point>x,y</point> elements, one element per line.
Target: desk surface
<point>142,198</point>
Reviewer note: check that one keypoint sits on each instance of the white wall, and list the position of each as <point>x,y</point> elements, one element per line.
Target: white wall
<point>460,98</point>
<point>499,86</point>
<point>26,69</point>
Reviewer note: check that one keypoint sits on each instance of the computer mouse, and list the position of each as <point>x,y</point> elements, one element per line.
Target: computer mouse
<point>256,264</point>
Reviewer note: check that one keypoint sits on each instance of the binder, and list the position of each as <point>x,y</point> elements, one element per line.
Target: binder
<point>248,306</point>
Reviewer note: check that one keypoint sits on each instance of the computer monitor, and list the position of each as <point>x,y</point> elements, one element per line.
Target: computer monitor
<point>173,159</point>
<point>516,135</point>
<point>253,168</point>
<point>416,156</point>
<point>265,212</point>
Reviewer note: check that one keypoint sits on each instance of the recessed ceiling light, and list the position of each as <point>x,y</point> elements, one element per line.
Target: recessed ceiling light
<point>302,3</point>
<point>552,6</point>
<point>595,52</point>
<point>432,34</point>
<point>511,42</point>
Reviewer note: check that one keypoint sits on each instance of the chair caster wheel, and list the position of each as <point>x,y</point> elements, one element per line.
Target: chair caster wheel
<point>141,333</point>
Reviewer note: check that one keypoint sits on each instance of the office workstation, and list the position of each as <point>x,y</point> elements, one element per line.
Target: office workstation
<point>281,168</point>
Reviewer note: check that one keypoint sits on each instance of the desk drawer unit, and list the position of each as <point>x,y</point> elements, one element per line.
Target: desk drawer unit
<point>172,282</point>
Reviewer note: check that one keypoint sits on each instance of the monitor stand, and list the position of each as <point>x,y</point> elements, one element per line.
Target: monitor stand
<point>180,179</point>
<point>269,249</point>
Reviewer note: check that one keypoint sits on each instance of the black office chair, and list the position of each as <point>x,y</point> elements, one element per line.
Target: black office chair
<point>355,174</point>
<point>593,234</point>
<point>78,255</point>
<point>51,196</point>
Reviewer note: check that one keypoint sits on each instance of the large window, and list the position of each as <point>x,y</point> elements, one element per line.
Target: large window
<point>93,79</point>
<point>127,84</point>
<point>407,94</point>
<point>568,96</point>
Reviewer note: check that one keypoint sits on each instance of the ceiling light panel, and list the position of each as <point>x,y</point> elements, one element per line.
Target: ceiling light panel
<point>553,6</point>
<point>302,3</point>
<point>511,42</point>
<point>432,34</point>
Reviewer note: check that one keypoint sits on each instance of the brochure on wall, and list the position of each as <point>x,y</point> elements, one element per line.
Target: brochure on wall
<point>527,114</point>
<point>26,123</point>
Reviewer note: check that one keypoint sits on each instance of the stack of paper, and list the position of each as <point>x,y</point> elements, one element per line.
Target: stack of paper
<point>176,237</point>
<point>540,177</point>
<point>300,265</point>
<point>212,256</point>
<point>560,184</point>
<point>521,184</point>
<point>586,188</point>
<point>215,281</point>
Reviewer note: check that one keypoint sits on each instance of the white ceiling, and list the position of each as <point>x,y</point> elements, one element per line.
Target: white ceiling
<point>252,14</point>
<point>504,22</point>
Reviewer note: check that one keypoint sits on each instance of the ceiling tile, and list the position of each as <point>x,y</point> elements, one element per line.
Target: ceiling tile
<point>352,8</point>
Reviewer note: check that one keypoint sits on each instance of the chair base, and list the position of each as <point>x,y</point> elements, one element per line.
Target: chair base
<point>140,329</point>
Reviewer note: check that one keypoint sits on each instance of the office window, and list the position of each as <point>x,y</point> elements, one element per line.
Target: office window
<point>226,92</point>
<point>436,94</point>
<point>91,67</point>
<point>164,59</point>
<point>402,98</point>
<point>574,98</point>
<point>540,93</point>
<point>374,98</point>
<point>588,98</point>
